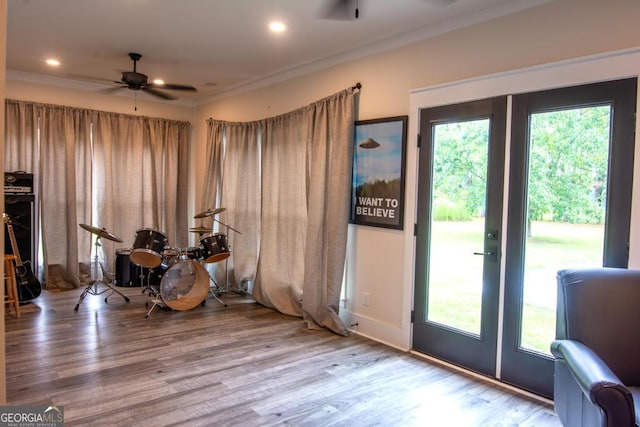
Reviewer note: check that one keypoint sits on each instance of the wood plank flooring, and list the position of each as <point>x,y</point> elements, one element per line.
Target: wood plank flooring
<point>240,365</point>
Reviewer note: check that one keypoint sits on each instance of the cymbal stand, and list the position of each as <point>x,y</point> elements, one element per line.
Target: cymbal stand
<point>226,261</point>
<point>215,285</point>
<point>93,288</point>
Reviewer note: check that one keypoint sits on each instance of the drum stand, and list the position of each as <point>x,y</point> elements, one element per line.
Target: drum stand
<point>92,288</point>
<point>157,300</point>
<point>226,260</point>
<point>215,285</point>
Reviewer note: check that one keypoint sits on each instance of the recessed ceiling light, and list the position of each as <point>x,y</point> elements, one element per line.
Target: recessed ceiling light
<point>52,62</point>
<point>277,27</point>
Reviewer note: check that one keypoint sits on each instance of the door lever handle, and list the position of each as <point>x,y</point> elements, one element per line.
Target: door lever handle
<point>484,253</point>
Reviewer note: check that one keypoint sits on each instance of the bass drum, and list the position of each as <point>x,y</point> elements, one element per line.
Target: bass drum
<point>184,285</point>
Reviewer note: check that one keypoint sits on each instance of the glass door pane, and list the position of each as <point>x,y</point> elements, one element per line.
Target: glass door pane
<point>566,200</point>
<point>458,231</point>
<point>570,175</point>
<point>457,228</point>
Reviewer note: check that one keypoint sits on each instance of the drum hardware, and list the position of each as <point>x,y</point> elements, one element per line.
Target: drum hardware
<point>157,301</point>
<point>226,259</point>
<point>215,247</point>
<point>93,287</point>
<point>209,212</point>
<point>215,290</point>
<point>201,230</point>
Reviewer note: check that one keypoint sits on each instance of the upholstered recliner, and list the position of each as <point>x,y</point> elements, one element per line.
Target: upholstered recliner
<point>597,348</point>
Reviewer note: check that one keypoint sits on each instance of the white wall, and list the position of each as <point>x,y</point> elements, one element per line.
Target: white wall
<point>380,260</point>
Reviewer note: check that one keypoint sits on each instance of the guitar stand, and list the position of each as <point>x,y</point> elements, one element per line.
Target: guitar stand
<point>93,287</point>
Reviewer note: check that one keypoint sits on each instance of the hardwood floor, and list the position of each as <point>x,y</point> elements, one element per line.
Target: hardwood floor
<point>243,365</point>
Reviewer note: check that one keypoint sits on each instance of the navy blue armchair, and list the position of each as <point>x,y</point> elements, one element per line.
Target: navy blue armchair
<point>597,348</point>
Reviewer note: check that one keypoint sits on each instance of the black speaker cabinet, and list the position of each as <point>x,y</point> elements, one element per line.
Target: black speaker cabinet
<point>19,208</point>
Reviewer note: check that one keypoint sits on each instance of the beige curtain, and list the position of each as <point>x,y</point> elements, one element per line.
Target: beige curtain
<point>66,189</point>
<point>107,170</point>
<point>213,172</point>
<point>280,275</point>
<point>305,183</point>
<point>53,143</point>
<point>142,165</point>
<point>330,156</point>
<point>21,149</point>
<point>240,189</point>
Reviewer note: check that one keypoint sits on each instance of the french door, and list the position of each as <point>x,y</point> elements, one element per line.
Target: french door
<point>568,203</point>
<point>459,232</point>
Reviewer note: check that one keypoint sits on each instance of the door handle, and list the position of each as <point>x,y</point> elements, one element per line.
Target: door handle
<point>491,253</point>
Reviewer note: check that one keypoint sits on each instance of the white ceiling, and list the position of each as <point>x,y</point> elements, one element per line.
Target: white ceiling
<point>218,46</point>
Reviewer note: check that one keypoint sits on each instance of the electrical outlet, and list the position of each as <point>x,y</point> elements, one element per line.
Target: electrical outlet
<point>365,299</point>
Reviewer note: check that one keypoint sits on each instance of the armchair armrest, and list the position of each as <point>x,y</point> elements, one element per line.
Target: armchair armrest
<point>597,381</point>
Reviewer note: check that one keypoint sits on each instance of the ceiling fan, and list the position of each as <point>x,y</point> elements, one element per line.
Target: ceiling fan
<point>345,10</point>
<point>134,80</point>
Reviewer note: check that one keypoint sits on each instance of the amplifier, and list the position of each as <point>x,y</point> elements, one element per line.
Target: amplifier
<point>18,182</point>
<point>17,189</point>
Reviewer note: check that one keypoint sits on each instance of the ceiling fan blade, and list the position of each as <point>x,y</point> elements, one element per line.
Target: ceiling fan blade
<point>440,3</point>
<point>113,89</point>
<point>340,10</point>
<point>157,93</point>
<point>171,86</point>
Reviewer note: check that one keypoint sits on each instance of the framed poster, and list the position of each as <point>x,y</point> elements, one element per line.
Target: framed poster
<point>377,190</point>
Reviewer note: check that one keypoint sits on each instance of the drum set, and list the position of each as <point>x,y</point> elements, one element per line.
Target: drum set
<point>173,277</point>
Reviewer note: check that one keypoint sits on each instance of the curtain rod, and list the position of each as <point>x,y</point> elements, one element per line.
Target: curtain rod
<point>357,86</point>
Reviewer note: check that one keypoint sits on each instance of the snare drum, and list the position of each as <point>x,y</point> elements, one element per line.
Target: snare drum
<point>148,247</point>
<point>184,285</point>
<point>215,247</point>
<point>151,277</point>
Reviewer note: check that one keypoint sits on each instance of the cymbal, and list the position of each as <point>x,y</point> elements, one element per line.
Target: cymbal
<point>101,232</point>
<point>209,212</point>
<point>201,230</point>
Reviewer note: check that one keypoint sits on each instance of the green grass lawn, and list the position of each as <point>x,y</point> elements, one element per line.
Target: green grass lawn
<point>455,288</point>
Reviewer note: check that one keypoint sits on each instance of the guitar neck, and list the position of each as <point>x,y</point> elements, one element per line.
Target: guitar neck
<point>14,245</point>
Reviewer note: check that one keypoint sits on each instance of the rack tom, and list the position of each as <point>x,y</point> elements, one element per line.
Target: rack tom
<point>215,247</point>
<point>148,248</point>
